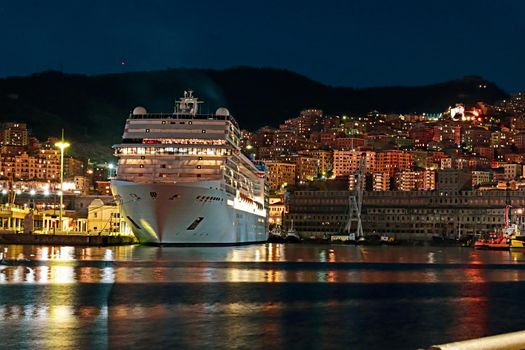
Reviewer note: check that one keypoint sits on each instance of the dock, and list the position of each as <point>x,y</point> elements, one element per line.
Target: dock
<point>77,239</point>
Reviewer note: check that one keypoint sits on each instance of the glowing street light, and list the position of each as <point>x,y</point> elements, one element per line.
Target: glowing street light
<point>62,145</point>
<point>111,166</point>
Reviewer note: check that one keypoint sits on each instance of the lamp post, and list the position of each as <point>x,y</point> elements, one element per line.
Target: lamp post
<point>62,145</point>
<point>111,166</point>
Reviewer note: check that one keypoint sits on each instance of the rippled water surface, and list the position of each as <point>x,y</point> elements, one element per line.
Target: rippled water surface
<point>256,297</point>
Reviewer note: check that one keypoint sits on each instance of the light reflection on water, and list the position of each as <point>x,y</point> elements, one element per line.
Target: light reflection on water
<point>263,253</point>
<point>57,274</point>
<point>254,296</point>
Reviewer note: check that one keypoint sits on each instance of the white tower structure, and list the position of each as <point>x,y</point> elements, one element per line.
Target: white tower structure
<point>355,203</point>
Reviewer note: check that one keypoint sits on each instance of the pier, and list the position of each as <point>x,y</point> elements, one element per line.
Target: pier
<point>77,239</point>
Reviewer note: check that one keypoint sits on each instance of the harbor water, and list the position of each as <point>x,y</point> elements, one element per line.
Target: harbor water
<point>268,296</point>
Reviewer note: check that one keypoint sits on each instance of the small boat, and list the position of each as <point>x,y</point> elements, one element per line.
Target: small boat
<point>276,235</point>
<point>292,236</point>
<point>444,241</point>
<point>463,241</point>
<point>517,244</point>
<point>343,237</point>
<point>369,240</point>
<point>388,240</point>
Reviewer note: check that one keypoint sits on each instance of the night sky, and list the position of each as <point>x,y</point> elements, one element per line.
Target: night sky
<point>349,43</point>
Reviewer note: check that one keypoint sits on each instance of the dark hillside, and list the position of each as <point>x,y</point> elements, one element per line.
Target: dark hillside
<point>93,108</point>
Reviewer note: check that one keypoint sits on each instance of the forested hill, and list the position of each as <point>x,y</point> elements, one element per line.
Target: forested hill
<point>93,108</point>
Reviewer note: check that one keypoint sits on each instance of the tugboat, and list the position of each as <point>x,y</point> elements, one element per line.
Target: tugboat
<point>292,236</point>
<point>499,239</point>
<point>495,241</point>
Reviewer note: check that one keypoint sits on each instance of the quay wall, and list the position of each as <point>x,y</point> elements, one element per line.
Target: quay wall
<point>74,240</point>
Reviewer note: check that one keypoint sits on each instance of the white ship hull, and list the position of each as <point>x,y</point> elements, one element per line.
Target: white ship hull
<point>197,213</point>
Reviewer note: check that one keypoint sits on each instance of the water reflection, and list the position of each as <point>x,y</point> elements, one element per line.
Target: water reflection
<point>261,296</point>
<point>257,264</point>
<point>71,275</point>
<point>264,253</point>
<point>56,274</point>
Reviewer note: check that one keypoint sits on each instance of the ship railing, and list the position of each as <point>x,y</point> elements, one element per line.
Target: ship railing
<point>170,179</point>
<point>182,116</point>
<point>507,341</point>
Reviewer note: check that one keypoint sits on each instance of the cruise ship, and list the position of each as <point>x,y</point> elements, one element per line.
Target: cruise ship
<point>183,180</point>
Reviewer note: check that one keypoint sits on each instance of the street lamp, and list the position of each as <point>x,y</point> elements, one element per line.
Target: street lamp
<point>111,166</point>
<point>62,145</point>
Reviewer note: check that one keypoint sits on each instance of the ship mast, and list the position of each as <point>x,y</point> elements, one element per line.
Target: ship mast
<point>188,104</point>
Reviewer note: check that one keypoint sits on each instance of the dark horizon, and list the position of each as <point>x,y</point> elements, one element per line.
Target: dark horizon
<point>355,44</point>
<point>63,71</point>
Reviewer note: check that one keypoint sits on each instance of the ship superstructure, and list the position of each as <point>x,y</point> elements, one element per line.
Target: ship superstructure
<point>182,178</point>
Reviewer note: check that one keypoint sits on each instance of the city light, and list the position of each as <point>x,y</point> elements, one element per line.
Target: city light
<point>62,145</point>
<point>111,168</point>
